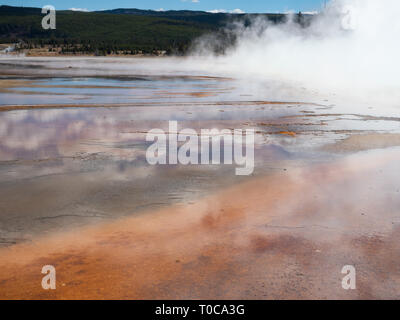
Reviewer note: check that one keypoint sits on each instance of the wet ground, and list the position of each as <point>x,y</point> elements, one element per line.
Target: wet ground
<point>76,191</point>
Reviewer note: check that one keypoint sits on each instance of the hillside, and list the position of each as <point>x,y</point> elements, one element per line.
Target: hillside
<point>126,31</point>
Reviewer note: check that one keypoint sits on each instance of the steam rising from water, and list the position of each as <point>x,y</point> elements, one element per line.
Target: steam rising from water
<point>352,48</point>
<point>349,54</point>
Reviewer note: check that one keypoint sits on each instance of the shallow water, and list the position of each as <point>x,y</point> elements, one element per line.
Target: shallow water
<point>72,154</point>
<point>91,124</point>
<point>112,90</point>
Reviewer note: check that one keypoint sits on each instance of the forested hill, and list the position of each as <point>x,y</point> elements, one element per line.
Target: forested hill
<point>128,31</point>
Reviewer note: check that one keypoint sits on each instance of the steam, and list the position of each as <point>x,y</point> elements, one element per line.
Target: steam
<point>348,54</point>
<point>352,48</point>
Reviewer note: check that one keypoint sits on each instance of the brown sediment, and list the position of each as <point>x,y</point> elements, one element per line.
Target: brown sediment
<point>342,115</point>
<point>288,133</point>
<point>6,83</point>
<point>15,83</point>
<point>284,239</point>
<point>82,86</point>
<point>143,104</point>
<point>27,92</point>
<point>360,142</point>
<point>191,94</point>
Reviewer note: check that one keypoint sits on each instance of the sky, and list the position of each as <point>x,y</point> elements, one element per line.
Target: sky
<point>248,6</point>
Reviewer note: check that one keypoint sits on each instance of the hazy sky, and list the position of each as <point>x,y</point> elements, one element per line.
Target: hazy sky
<point>205,5</point>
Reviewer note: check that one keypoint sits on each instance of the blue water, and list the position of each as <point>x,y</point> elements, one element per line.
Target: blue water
<point>113,90</point>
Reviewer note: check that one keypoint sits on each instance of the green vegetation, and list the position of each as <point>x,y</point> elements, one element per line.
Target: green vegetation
<point>122,31</point>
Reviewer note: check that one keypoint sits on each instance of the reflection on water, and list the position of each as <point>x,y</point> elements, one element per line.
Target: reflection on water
<point>74,155</point>
<point>65,162</point>
<point>37,134</point>
<point>111,90</point>
<point>284,236</point>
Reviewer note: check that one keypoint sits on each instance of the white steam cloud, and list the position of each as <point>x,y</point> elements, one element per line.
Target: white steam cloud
<point>351,48</point>
<point>348,55</point>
